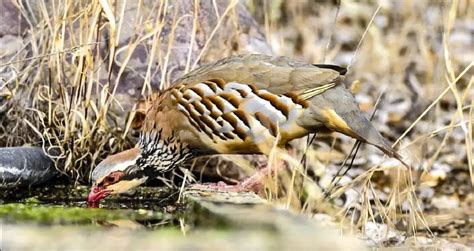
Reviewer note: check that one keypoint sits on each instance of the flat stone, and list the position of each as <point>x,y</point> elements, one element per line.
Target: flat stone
<point>249,212</point>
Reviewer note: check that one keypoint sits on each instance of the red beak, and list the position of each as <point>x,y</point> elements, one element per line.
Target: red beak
<point>97,193</point>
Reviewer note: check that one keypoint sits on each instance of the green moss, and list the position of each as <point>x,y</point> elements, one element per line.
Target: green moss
<point>54,214</point>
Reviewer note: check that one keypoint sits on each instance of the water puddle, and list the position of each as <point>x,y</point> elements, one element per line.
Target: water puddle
<point>149,208</point>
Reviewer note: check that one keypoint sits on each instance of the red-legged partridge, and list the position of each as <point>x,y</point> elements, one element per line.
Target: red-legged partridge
<point>238,105</point>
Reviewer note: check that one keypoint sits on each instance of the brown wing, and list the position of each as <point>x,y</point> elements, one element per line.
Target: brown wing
<point>278,75</point>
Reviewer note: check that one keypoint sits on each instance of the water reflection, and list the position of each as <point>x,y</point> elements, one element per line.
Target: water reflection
<point>136,212</point>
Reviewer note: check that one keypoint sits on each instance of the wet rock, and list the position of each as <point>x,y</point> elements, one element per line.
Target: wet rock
<point>25,166</point>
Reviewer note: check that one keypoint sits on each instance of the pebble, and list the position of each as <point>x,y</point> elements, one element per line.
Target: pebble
<point>380,234</point>
<point>445,202</point>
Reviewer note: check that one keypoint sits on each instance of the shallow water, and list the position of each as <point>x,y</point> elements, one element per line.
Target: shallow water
<point>149,208</point>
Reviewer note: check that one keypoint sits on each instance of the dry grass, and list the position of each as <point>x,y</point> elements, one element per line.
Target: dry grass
<point>70,82</point>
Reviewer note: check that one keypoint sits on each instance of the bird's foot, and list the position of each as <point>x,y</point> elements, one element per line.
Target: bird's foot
<point>254,183</point>
<point>223,187</point>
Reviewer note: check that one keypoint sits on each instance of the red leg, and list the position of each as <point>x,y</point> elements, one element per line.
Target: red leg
<point>253,183</point>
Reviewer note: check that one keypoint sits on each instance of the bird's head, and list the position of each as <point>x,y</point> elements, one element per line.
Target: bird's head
<point>119,173</point>
<point>122,172</point>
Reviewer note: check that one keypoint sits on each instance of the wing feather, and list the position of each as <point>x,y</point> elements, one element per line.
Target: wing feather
<point>278,75</point>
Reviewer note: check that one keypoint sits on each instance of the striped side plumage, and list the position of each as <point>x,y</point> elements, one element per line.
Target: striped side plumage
<point>231,113</point>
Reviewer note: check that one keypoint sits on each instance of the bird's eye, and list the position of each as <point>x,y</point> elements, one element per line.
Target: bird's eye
<point>110,179</point>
